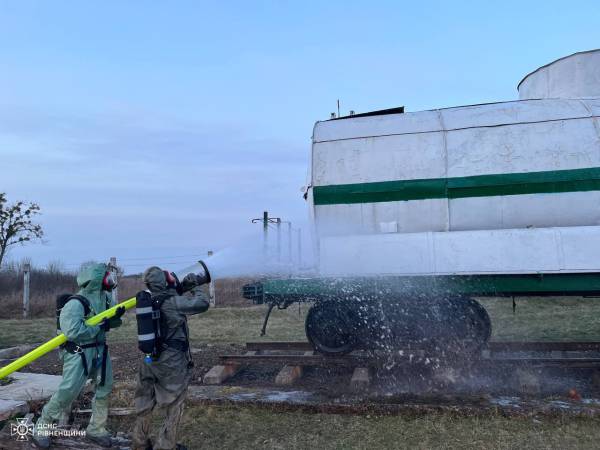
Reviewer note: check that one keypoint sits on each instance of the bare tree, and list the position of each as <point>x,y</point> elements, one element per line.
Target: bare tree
<point>16,224</point>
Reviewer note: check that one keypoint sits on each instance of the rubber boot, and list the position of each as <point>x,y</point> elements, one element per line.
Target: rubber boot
<point>40,441</point>
<point>102,441</point>
<point>96,430</point>
<point>141,431</point>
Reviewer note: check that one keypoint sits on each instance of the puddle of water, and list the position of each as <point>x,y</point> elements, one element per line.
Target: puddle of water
<point>560,404</point>
<point>242,396</point>
<point>517,402</point>
<point>288,396</point>
<point>506,401</point>
<point>271,396</point>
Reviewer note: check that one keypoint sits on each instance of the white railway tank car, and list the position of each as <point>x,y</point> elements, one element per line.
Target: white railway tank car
<point>510,187</point>
<point>415,213</point>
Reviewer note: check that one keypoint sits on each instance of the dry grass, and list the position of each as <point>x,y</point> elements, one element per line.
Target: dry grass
<point>545,318</point>
<point>535,319</point>
<point>258,428</point>
<point>44,290</point>
<point>45,285</point>
<point>255,428</point>
<point>230,325</point>
<point>252,427</point>
<point>43,296</point>
<point>228,292</point>
<point>233,325</point>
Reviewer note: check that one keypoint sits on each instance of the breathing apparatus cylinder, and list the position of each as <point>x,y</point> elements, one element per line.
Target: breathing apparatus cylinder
<point>144,314</point>
<point>148,312</point>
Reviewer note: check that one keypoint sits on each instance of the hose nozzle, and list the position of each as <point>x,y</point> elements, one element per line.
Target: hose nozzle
<point>205,277</point>
<point>198,276</point>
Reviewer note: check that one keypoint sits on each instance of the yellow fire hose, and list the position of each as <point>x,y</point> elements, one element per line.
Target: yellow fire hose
<point>53,343</point>
<point>60,339</point>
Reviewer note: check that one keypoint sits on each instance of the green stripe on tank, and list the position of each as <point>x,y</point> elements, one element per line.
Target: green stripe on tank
<point>548,182</point>
<point>483,285</point>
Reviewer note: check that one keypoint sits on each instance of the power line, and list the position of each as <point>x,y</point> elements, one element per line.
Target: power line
<point>146,264</point>
<point>145,258</point>
<point>148,258</point>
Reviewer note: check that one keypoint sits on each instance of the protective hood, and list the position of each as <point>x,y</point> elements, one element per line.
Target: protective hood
<point>90,277</point>
<point>89,281</point>
<point>155,279</point>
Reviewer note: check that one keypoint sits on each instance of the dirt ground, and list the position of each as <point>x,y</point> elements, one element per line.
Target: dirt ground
<point>400,383</point>
<point>208,426</point>
<point>224,331</point>
<point>126,357</point>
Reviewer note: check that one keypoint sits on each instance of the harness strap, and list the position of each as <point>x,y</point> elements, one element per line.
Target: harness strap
<point>103,370</point>
<point>187,343</point>
<point>84,363</point>
<point>76,349</point>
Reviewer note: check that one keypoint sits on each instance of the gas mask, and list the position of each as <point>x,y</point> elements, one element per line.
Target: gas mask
<point>109,282</point>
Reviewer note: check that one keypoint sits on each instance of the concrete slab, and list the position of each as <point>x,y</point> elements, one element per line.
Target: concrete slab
<point>16,352</point>
<point>13,408</point>
<point>218,374</point>
<point>30,386</point>
<point>288,375</point>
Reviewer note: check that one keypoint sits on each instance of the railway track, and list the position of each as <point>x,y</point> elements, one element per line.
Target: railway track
<point>515,346</point>
<point>294,356</point>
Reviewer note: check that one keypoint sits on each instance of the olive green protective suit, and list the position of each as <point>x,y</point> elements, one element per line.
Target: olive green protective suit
<point>72,324</point>
<point>163,383</point>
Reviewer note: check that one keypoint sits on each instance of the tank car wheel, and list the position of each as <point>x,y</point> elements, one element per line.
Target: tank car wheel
<point>475,327</point>
<point>483,318</point>
<point>329,328</point>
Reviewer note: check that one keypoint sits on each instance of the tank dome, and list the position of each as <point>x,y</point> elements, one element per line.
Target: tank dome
<point>574,76</point>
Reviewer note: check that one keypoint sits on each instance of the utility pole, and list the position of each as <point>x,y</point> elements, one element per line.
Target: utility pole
<point>265,234</point>
<point>26,279</point>
<point>266,220</point>
<point>278,239</point>
<point>211,287</point>
<point>299,247</point>
<point>112,266</point>
<point>289,224</point>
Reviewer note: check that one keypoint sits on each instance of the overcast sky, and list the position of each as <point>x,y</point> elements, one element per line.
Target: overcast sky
<point>154,131</point>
